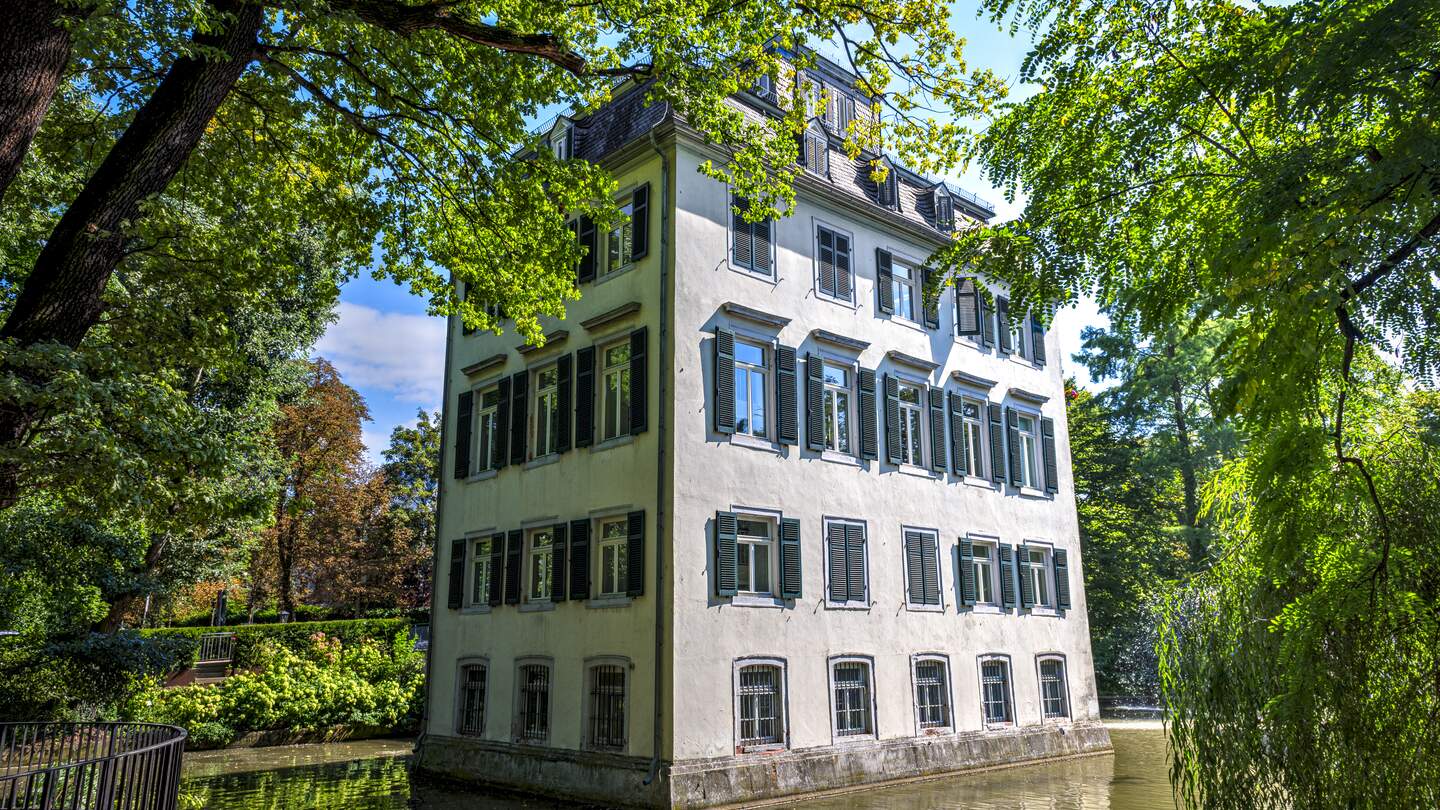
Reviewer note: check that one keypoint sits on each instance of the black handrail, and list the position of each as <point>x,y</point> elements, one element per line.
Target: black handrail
<point>90,766</point>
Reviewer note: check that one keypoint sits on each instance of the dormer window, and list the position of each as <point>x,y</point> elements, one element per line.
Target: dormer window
<point>765,88</point>
<point>944,210</point>
<point>562,139</point>
<point>815,150</point>
<point>887,191</point>
<point>839,111</point>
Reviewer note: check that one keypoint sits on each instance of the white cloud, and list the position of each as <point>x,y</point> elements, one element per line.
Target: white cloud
<point>376,441</point>
<point>1068,323</point>
<point>391,353</point>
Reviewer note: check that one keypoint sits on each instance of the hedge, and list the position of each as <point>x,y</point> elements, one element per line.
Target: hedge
<point>294,636</point>
<point>236,615</point>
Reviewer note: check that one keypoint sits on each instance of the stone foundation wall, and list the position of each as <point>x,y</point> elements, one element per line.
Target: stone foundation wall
<point>619,780</point>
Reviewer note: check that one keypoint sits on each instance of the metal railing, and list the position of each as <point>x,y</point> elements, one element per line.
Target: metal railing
<point>95,766</point>
<point>216,647</point>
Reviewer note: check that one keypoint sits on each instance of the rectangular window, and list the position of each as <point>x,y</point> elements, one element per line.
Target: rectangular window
<point>488,423</point>
<point>607,707</point>
<point>912,419</point>
<point>903,285</point>
<point>1029,471</point>
<point>932,694</point>
<point>472,699</point>
<point>846,564</point>
<point>995,691</point>
<point>1040,574</point>
<point>620,245</point>
<point>751,243</point>
<point>983,562</point>
<point>542,556</point>
<point>922,568</point>
<point>611,553</point>
<point>1020,336</point>
<point>833,264</point>
<point>533,724</point>
<point>547,411</point>
<point>1054,698</point>
<point>754,562</point>
<point>560,143</point>
<point>750,388</point>
<point>837,408</point>
<point>974,420</point>
<point>480,572</point>
<point>760,708</point>
<point>615,407</point>
<point>851,681</point>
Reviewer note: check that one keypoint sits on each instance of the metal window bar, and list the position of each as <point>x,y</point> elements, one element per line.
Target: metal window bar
<point>930,697</point>
<point>760,705</point>
<point>852,699</point>
<point>67,766</point>
<point>1052,689</point>
<point>607,706</point>
<point>534,702</point>
<point>994,679</point>
<point>472,716</point>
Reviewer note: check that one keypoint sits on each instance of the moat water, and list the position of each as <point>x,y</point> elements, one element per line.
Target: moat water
<point>374,775</point>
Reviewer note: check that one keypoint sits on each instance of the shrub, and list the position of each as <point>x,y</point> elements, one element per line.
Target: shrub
<point>294,636</point>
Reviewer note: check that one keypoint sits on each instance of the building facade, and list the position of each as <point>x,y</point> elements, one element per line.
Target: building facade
<point>756,520</point>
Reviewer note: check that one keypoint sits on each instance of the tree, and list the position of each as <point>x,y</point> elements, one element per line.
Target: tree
<point>1275,167</point>
<point>359,120</point>
<point>412,471</point>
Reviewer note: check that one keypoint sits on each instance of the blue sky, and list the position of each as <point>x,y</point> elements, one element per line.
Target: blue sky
<point>386,346</point>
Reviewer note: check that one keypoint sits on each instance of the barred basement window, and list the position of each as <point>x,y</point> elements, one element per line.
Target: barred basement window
<point>760,706</point>
<point>995,691</point>
<point>850,683</point>
<point>1054,700</point>
<point>607,706</point>
<point>472,700</point>
<point>533,724</point>
<point>932,693</point>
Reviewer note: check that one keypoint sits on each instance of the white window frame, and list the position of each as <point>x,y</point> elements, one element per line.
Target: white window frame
<point>939,568</point>
<point>550,394</point>
<point>477,562</point>
<point>624,232</point>
<point>518,703</point>
<point>463,664</point>
<point>484,452</point>
<point>1040,661</point>
<point>1009,689</point>
<point>587,709</point>
<point>532,557</point>
<point>766,371</point>
<point>815,251</point>
<point>917,408</point>
<point>1042,575</point>
<point>621,546</point>
<point>948,693</point>
<point>832,420</point>
<point>825,524</point>
<point>619,414</point>
<point>770,548</point>
<point>916,290</point>
<point>782,703</point>
<point>1020,346</point>
<point>560,142</point>
<point>976,438</point>
<point>1029,449</point>
<point>993,545</point>
<point>869,663</point>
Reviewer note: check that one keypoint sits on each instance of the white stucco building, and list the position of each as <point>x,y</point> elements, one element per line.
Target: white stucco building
<point>754,521</point>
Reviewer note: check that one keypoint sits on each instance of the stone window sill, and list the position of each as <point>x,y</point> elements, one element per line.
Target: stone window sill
<point>475,609</point>
<point>542,461</point>
<point>918,472</point>
<point>847,605</point>
<point>924,608</point>
<point>607,602</point>
<point>536,607</point>
<point>1043,611</point>
<point>767,278</point>
<point>599,279</point>
<point>836,457</point>
<point>483,475</point>
<point>756,600</point>
<point>839,302</point>
<point>990,609</point>
<point>1031,492</point>
<point>618,441</point>
<point>977,481</point>
<point>754,442</point>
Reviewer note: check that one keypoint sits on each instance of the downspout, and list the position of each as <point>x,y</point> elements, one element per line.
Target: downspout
<point>660,472</point>
<point>435,556</point>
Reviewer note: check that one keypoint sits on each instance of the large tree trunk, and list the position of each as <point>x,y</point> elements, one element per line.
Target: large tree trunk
<point>34,49</point>
<point>62,297</point>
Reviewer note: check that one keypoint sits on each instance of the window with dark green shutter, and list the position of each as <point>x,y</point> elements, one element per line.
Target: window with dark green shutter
<point>1062,579</point>
<point>751,242</point>
<point>869,440</point>
<point>1002,322</point>
<point>1026,577</point>
<point>931,298</point>
<point>787,427</point>
<point>1007,576</point>
<point>892,420</point>
<point>726,542</point>
<point>955,410</point>
<point>558,570</point>
<point>585,396</point>
<point>455,587</point>
<point>967,309</point>
<point>580,559</point>
<point>1013,447</point>
<point>586,271</point>
<point>832,259</point>
<point>1047,450</point>
<point>1037,340</point>
<point>564,401</point>
<point>814,402</point>
<point>997,444</point>
<point>519,397</point>
<point>500,445</point>
<point>937,429</point>
<point>514,541</point>
<point>846,564</point>
<point>724,382</point>
<point>922,568</point>
<point>497,569</point>
<point>884,282</point>
<point>790,563</point>
<point>464,420</point>
<point>640,222</point>
<point>635,554</point>
<point>966,550</point>
<point>987,320</point>
<point>639,382</point>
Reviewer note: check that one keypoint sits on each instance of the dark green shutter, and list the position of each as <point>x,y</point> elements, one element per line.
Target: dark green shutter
<point>635,554</point>
<point>997,444</point>
<point>869,439</point>
<point>835,554</point>
<point>497,568</point>
<point>743,243</point>
<point>930,559</point>
<point>639,383</point>
<point>787,427</point>
<point>464,423</point>
<point>1022,568</point>
<point>519,391</point>
<point>513,543</point>
<point>559,544</point>
<point>959,450</point>
<point>726,548</point>
<point>967,571</point>
<point>1012,444</point>
<point>855,562</point>
<point>580,559</point>
<point>842,267</point>
<point>586,271</point>
<point>892,419</point>
<point>790,574</point>
<point>1007,576</point>
<point>987,322</point>
<point>967,309</point>
<point>1002,323</point>
<point>1037,340</point>
<point>937,429</point>
<point>724,381</point>
<point>640,222</point>
<point>455,590</point>
<point>585,396</point>
<point>762,245</point>
<point>825,239</point>
<point>932,304</point>
<point>814,402</point>
<point>914,568</point>
<point>884,278</point>
<point>500,444</point>
<point>1062,580</point>
<point>564,397</point>
<point>1047,449</point>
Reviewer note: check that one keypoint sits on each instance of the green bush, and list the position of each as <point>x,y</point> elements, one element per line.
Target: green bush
<point>236,616</point>
<point>294,636</point>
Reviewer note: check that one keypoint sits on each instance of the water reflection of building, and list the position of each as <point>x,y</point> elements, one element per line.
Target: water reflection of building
<point>757,520</point>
